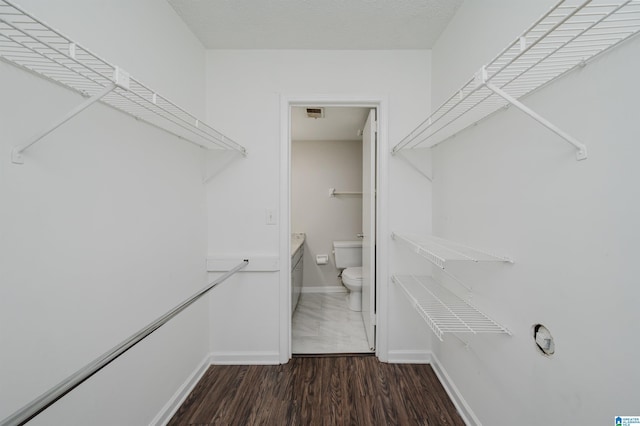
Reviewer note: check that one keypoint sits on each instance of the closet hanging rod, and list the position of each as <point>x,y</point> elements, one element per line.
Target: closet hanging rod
<point>566,37</point>
<point>32,45</point>
<point>50,397</point>
<point>333,193</point>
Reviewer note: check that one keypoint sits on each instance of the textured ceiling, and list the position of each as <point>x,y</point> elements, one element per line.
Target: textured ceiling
<point>316,24</point>
<point>338,124</point>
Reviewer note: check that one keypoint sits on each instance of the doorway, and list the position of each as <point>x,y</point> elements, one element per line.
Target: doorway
<point>333,176</point>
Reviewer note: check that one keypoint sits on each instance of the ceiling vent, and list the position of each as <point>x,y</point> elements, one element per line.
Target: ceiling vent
<point>315,112</point>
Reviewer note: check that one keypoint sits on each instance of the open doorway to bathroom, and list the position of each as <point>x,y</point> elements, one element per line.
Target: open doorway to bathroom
<point>332,221</point>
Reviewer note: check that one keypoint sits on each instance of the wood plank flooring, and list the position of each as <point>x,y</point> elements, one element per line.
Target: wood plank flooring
<point>340,390</point>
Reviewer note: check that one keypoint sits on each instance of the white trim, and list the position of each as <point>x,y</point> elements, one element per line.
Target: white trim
<point>465,411</point>
<point>410,357</point>
<point>257,263</point>
<point>382,274</point>
<point>178,398</point>
<point>324,289</point>
<point>383,233</point>
<point>285,230</point>
<point>245,358</point>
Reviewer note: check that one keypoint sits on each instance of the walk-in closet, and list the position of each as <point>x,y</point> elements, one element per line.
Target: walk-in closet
<point>172,244</point>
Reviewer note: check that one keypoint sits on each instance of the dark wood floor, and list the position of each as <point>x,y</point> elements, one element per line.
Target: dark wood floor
<point>319,391</point>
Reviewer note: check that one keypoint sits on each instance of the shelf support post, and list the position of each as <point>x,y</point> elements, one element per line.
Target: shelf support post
<point>16,153</point>
<point>581,153</point>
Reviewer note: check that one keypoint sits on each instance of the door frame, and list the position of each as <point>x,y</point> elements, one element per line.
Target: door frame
<point>380,103</point>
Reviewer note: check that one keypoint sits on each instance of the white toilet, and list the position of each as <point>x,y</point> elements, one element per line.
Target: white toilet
<point>348,256</point>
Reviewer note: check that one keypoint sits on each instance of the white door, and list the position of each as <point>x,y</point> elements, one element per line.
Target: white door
<point>369,227</point>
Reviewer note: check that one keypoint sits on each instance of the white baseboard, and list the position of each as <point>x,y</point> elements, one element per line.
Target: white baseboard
<point>410,357</point>
<point>245,358</point>
<point>470,419</point>
<point>181,394</point>
<point>221,358</point>
<point>428,357</point>
<point>323,289</point>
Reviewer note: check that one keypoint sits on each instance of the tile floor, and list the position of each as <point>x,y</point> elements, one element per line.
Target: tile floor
<point>322,323</point>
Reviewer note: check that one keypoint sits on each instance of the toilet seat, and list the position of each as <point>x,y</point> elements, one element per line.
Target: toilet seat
<point>353,276</point>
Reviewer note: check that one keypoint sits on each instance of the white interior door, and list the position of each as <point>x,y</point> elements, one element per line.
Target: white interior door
<point>369,227</point>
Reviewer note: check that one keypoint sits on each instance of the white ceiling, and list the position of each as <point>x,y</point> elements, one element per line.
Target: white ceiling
<point>316,24</point>
<point>338,124</point>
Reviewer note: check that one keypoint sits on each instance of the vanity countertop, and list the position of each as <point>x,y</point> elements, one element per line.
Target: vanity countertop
<point>297,239</point>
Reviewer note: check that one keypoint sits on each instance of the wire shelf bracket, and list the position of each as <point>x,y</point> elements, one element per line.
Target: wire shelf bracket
<point>581,153</point>
<point>443,311</point>
<point>34,46</point>
<point>568,36</point>
<point>16,153</point>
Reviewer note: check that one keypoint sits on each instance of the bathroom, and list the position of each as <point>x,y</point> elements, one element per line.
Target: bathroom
<point>326,210</point>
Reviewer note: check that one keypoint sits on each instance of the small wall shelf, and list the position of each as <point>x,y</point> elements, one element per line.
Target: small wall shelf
<point>34,46</point>
<point>440,251</point>
<point>442,310</point>
<point>572,33</point>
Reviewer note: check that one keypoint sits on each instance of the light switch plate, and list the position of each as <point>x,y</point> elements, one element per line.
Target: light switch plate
<point>271,218</point>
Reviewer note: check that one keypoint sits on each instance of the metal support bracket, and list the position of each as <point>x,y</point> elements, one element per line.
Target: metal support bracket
<point>16,152</point>
<point>121,79</point>
<point>467,347</point>
<point>581,153</point>
<point>413,166</point>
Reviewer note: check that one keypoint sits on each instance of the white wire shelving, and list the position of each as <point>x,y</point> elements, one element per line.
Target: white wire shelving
<point>440,251</point>
<point>572,33</point>
<point>442,310</point>
<point>34,46</point>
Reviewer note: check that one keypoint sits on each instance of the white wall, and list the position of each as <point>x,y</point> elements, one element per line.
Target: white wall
<point>244,90</point>
<point>103,228</point>
<point>511,186</point>
<point>317,166</point>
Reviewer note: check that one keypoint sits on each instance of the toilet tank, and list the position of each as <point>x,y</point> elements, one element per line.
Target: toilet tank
<point>347,253</point>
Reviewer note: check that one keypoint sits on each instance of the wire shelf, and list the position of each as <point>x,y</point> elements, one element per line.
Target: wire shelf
<point>440,251</point>
<point>442,310</point>
<point>572,33</point>
<point>34,46</point>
